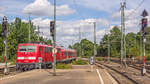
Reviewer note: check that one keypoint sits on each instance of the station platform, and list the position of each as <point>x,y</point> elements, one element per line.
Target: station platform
<point>79,74</point>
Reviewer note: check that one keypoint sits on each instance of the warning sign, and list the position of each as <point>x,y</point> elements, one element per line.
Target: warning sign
<point>54,50</point>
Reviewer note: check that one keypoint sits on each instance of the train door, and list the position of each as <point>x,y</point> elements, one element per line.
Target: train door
<point>58,54</point>
<point>41,53</point>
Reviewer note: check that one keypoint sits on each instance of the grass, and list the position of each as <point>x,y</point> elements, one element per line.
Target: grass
<point>63,66</point>
<point>1,59</point>
<point>99,59</point>
<point>13,62</point>
<point>79,62</point>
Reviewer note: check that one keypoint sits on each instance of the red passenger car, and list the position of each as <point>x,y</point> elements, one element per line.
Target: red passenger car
<point>31,56</point>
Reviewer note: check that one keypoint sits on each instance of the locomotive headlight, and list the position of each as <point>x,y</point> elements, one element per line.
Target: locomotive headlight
<point>21,58</point>
<point>32,58</point>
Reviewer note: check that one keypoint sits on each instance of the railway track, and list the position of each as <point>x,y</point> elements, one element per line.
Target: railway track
<point>132,71</point>
<point>136,65</point>
<point>120,77</point>
<point>11,70</point>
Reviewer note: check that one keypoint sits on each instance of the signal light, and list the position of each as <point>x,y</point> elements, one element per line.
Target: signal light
<point>52,28</point>
<point>144,22</point>
<point>4,27</point>
<point>144,25</point>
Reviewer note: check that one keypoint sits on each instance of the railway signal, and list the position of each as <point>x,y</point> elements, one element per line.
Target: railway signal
<point>54,39</point>
<point>52,28</point>
<point>144,26</point>
<point>4,27</point>
<point>4,33</point>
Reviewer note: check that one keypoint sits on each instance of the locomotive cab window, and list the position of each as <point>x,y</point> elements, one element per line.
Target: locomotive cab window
<point>27,48</point>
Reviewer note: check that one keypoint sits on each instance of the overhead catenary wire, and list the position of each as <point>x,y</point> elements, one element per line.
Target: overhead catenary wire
<point>134,10</point>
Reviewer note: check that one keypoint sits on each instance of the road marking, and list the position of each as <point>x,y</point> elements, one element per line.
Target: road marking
<point>7,77</point>
<point>101,80</point>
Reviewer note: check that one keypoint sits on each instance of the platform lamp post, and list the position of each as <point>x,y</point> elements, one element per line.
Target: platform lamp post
<point>95,52</point>
<point>94,39</point>
<point>144,26</point>
<point>5,35</point>
<point>53,34</point>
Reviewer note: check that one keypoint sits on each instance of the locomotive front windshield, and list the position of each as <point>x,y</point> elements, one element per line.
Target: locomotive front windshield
<point>27,48</point>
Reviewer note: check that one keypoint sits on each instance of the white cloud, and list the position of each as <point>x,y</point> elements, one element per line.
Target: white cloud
<point>42,23</point>
<point>105,5</point>
<point>100,33</point>
<point>129,14</point>
<point>69,30</point>
<point>23,20</point>
<point>110,5</point>
<point>45,8</point>
<point>132,20</point>
<point>2,15</point>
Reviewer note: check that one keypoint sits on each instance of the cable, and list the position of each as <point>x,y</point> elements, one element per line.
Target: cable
<point>136,8</point>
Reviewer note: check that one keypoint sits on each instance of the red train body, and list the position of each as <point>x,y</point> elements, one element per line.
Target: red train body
<point>31,56</point>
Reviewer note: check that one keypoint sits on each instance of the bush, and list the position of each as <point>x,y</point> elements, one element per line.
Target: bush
<point>100,59</point>
<point>13,61</point>
<point>79,62</point>
<point>85,56</point>
<point>63,66</point>
<point>148,58</point>
<point>1,59</point>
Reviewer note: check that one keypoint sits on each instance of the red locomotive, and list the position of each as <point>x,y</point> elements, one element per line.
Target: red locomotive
<point>31,56</point>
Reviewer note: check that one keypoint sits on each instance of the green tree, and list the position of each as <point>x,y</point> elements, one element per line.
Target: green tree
<point>87,47</point>
<point>18,32</point>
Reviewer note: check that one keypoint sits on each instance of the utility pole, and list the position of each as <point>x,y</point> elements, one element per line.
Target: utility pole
<point>94,39</point>
<point>123,43</point>
<point>72,43</point>
<point>108,59</point>
<point>94,50</point>
<point>144,26</point>
<point>54,43</point>
<point>38,33</point>
<point>141,46</point>
<point>29,29</point>
<point>5,34</point>
<point>80,43</point>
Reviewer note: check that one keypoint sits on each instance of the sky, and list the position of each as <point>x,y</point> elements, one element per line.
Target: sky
<point>75,15</point>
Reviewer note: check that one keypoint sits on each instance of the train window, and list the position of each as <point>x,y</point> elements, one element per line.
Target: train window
<point>40,49</point>
<point>58,50</point>
<point>22,50</point>
<point>65,54</point>
<point>47,49</point>
<point>68,53</point>
<point>44,49</point>
<point>72,54</point>
<point>27,48</point>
